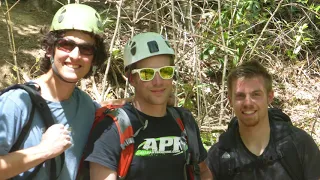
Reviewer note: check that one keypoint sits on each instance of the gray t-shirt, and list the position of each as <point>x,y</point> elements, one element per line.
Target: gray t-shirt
<point>77,114</point>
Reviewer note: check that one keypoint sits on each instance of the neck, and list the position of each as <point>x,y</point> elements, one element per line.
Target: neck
<point>151,110</point>
<point>256,138</point>
<point>53,88</point>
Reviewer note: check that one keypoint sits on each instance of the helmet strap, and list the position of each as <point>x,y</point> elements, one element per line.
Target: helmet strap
<point>55,71</point>
<point>94,69</point>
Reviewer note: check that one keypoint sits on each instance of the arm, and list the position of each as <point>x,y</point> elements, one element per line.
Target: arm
<point>15,107</point>
<point>103,150</point>
<point>205,173</point>
<point>20,161</point>
<point>53,143</point>
<point>212,161</point>
<point>99,172</point>
<point>310,154</point>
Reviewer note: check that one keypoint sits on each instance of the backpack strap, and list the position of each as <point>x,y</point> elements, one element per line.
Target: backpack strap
<point>287,150</point>
<point>284,142</point>
<point>187,125</point>
<point>38,102</point>
<point>227,152</point>
<point>126,134</point>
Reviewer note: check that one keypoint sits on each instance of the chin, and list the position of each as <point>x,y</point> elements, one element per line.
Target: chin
<point>157,102</point>
<point>250,123</point>
<point>71,79</point>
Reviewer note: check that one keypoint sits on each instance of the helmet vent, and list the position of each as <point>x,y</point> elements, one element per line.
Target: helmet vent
<point>99,23</point>
<point>168,44</point>
<point>153,46</point>
<point>133,48</point>
<point>61,17</point>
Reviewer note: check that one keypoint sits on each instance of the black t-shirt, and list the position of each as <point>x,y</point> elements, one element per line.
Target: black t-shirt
<point>157,154</point>
<point>310,158</point>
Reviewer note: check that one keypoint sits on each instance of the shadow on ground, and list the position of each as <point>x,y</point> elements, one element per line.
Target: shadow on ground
<point>26,24</point>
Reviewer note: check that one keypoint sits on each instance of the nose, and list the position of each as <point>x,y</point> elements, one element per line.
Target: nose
<point>157,80</point>
<point>248,101</point>
<point>75,53</point>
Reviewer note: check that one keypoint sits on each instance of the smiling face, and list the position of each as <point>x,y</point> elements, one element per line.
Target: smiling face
<point>156,91</point>
<point>73,65</point>
<point>249,99</point>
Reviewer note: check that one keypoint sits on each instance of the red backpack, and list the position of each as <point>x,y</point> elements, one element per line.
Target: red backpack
<point>127,134</point>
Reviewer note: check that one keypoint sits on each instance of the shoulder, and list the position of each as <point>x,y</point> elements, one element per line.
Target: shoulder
<point>107,119</point>
<point>84,99</point>
<point>182,110</point>
<point>301,136</point>
<point>214,151</point>
<point>185,114</point>
<point>285,128</point>
<point>15,98</point>
<point>81,94</point>
<point>287,131</point>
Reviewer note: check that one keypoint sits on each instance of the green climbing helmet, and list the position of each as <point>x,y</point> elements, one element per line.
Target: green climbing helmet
<point>77,17</point>
<point>145,45</point>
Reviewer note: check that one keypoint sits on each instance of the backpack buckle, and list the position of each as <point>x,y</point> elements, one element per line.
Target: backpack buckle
<point>196,169</point>
<point>126,143</point>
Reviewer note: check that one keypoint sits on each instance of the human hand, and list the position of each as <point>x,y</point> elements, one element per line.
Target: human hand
<point>116,102</point>
<point>56,140</point>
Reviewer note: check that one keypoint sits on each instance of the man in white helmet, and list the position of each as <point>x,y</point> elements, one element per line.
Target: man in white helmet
<point>73,47</point>
<point>159,152</point>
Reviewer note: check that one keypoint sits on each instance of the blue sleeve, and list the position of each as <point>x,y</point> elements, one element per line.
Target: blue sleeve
<point>15,106</point>
<point>104,145</point>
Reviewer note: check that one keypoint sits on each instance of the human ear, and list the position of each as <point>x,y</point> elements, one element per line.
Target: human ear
<point>270,96</point>
<point>131,79</point>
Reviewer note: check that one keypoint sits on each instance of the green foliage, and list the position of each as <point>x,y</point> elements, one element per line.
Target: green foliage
<point>116,53</point>
<point>208,52</point>
<point>207,139</point>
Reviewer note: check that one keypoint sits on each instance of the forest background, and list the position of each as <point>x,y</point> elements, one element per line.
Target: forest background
<point>210,38</point>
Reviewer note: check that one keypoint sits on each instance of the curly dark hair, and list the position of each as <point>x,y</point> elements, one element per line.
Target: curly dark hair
<point>48,43</point>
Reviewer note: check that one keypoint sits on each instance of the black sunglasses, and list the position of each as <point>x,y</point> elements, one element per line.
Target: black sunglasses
<point>67,45</point>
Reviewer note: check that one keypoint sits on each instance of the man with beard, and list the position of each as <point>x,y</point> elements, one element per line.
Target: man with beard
<point>260,143</point>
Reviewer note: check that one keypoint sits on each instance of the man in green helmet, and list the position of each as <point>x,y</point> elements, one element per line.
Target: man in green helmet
<point>158,137</point>
<point>73,48</point>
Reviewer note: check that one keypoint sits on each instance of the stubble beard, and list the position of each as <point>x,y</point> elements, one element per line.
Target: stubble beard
<point>252,122</point>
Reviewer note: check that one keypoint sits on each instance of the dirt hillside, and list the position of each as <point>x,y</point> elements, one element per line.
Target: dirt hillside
<point>26,24</point>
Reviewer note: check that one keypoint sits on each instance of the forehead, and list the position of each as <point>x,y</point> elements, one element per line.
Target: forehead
<point>79,37</point>
<point>248,84</point>
<point>155,61</point>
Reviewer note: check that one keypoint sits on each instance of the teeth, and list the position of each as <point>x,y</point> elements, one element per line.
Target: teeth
<point>73,66</point>
<point>248,112</point>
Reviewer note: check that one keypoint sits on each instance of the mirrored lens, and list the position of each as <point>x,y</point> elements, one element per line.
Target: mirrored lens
<point>146,74</point>
<point>166,72</point>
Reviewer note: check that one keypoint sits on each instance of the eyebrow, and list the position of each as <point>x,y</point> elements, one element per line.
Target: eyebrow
<point>255,91</point>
